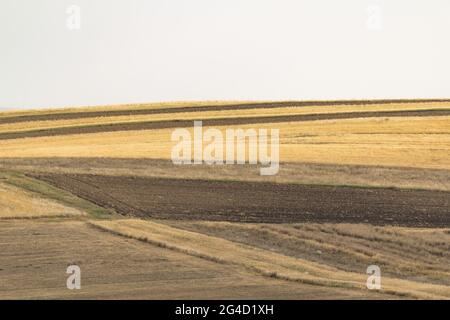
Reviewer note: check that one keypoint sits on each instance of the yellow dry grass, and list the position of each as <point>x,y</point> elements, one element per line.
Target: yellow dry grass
<point>418,142</point>
<point>262,261</point>
<point>16,203</point>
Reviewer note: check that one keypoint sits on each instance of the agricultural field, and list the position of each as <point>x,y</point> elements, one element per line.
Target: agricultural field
<point>16,203</point>
<point>360,183</point>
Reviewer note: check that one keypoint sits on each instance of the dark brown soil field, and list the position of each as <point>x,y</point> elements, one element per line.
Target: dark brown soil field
<point>238,106</point>
<point>148,197</point>
<point>167,124</point>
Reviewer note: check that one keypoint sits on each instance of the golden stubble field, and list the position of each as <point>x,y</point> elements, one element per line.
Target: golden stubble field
<point>393,142</point>
<point>46,227</point>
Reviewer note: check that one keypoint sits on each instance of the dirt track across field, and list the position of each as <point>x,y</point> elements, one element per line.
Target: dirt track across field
<point>167,124</point>
<point>236,106</point>
<point>148,197</point>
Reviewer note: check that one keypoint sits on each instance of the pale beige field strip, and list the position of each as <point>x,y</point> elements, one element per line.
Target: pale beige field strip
<point>262,261</point>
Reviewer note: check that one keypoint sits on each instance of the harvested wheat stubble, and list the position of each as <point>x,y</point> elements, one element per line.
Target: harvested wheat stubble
<point>262,261</point>
<point>168,124</point>
<point>37,124</point>
<point>257,201</point>
<point>421,255</point>
<point>34,256</point>
<point>416,142</point>
<point>16,204</point>
<point>127,110</point>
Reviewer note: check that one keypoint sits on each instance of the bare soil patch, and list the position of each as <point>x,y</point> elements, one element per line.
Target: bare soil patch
<point>257,201</point>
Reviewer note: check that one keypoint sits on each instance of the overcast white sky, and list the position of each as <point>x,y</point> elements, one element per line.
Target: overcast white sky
<point>167,50</point>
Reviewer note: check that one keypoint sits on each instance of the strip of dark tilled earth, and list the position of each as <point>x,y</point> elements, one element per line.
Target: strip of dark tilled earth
<point>147,197</point>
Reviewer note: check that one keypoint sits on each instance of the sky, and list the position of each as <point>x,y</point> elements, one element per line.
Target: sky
<point>57,53</point>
